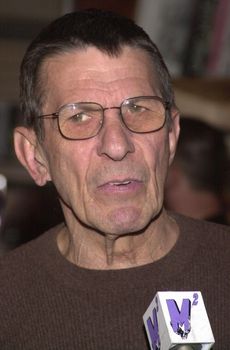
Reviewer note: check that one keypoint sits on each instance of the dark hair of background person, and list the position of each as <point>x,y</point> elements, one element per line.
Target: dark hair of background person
<point>202,156</point>
<point>202,153</point>
<point>106,31</point>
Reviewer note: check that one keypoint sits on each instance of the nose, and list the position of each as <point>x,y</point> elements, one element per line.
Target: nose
<point>115,140</point>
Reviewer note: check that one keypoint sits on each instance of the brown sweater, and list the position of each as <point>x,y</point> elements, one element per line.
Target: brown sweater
<point>48,303</point>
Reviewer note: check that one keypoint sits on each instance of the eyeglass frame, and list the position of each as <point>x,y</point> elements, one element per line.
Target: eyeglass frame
<point>56,114</point>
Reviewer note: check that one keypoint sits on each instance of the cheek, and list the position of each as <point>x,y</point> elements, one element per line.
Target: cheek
<point>68,166</point>
<point>157,159</point>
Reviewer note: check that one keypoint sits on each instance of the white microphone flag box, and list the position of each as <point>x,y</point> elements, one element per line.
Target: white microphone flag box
<point>178,318</point>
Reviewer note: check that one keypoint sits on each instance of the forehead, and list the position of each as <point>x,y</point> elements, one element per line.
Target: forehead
<point>91,73</point>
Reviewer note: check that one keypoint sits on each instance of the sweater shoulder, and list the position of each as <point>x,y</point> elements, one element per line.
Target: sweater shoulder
<point>213,237</point>
<point>26,260</point>
<point>201,225</point>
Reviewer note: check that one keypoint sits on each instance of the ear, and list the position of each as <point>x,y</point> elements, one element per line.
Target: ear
<point>30,154</point>
<point>174,131</point>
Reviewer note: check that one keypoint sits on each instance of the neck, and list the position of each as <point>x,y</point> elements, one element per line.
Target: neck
<point>89,249</point>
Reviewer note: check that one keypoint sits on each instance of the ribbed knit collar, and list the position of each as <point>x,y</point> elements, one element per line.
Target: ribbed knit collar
<point>168,268</point>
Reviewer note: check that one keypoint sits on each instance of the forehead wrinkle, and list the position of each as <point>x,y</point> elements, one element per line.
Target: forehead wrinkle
<point>71,66</point>
<point>88,85</point>
<point>104,93</point>
<point>76,59</point>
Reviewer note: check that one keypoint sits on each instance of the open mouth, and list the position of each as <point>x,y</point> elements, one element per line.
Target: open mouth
<point>129,185</point>
<point>123,183</point>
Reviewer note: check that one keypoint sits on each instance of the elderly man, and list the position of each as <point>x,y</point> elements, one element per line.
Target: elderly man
<point>102,125</point>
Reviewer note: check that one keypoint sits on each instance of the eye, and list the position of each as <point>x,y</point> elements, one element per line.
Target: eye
<point>80,117</point>
<point>135,108</point>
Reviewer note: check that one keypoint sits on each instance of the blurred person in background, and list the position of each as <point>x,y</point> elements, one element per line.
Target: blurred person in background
<point>198,177</point>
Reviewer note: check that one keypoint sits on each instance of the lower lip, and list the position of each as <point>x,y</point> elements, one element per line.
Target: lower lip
<point>131,187</point>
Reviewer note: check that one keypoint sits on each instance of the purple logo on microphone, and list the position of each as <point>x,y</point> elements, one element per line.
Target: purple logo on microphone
<point>152,324</point>
<point>153,329</point>
<point>180,319</point>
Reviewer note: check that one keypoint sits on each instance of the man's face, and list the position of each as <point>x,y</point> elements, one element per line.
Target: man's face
<point>114,181</point>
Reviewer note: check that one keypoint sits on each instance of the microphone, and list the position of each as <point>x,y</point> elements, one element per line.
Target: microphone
<point>178,321</point>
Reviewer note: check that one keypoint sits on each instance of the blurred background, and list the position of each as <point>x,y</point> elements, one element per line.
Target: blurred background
<point>193,37</point>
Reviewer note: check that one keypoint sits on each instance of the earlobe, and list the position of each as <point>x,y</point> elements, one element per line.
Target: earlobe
<point>174,132</point>
<point>30,155</point>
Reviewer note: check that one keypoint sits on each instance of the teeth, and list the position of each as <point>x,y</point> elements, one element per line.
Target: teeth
<point>121,183</point>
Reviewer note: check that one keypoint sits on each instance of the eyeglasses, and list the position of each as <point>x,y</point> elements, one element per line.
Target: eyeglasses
<point>83,120</point>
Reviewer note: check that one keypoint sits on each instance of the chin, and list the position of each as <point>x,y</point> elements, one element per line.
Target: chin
<point>124,221</point>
